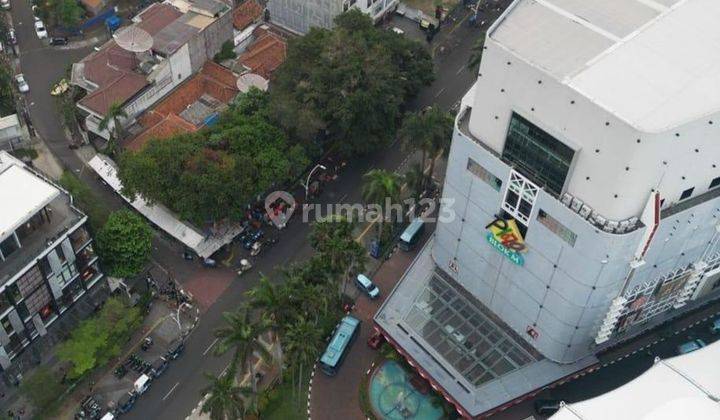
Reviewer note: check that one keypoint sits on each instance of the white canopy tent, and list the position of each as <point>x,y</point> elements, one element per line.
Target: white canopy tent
<point>686,386</point>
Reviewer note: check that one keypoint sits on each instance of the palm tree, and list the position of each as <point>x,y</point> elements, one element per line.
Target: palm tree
<point>430,131</point>
<point>381,187</point>
<point>272,300</point>
<point>414,179</point>
<point>333,240</point>
<point>302,343</point>
<point>225,399</point>
<point>476,53</point>
<point>242,334</point>
<point>114,114</point>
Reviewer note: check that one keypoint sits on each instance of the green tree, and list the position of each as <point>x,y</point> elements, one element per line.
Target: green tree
<point>429,131</point>
<point>7,99</point>
<point>210,176</point>
<point>114,114</point>
<point>124,243</point>
<point>303,345</point>
<point>333,239</point>
<point>348,84</point>
<point>381,188</point>
<point>225,399</point>
<point>68,13</point>
<point>414,179</point>
<point>98,339</point>
<point>241,334</point>
<point>226,52</point>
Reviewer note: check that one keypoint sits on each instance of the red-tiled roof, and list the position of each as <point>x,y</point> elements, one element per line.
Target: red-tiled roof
<point>117,91</point>
<point>167,126</point>
<point>158,16</point>
<point>266,54</point>
<point>246,13</point>
<point>213,80</point>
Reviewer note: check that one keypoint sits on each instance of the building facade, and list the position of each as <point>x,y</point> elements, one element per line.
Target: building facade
<point>299,16</point>
<point>583,179</point>
<point>49,273</point>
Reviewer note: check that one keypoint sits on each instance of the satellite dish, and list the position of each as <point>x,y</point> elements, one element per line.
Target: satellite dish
<point>133,39</point>
<point>248,80</point>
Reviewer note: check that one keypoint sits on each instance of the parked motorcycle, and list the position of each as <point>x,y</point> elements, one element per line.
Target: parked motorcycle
<point>244,267</point>
<point>146,344</point>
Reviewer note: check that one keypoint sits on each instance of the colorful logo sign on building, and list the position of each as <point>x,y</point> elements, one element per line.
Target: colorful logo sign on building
<point>505,237</point>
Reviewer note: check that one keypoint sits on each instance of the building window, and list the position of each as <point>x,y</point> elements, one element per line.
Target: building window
<point>483,174</point>
<point>520,197</point>
<point>715,182</point>
<point>687,193</point>
<point>8,246</point>
<point>537,154</point>
<point>557,228</point>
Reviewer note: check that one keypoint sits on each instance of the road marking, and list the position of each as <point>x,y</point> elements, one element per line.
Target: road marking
<point>171,391</point>
<point>460,70</point>
<point>440,92</point>
<point>210,346</point>
<point>342,198</point>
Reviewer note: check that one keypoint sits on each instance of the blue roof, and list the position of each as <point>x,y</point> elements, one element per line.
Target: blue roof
<point>340,340</point>
<point>411,230</point>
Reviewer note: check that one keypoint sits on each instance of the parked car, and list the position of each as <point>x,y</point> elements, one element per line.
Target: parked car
<point>126,402</point>
<point>142,384</point>
<point>21,83</point>
<point>690,346</point>
<point>5,4</point>
<point>40,29</point>
<point>367,286</point>
<point>715,326</point>
<point>158,366</point>
<point>11,37</point>
<point>175,349</point>
<point>58,40</point>
<point>547,407</point>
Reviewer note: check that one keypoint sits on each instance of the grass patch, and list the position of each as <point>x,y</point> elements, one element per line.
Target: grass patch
<point>85,199</point>
<point>283,403</point>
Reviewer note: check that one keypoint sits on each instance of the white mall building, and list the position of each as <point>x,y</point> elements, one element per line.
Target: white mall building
<point>591,137</point>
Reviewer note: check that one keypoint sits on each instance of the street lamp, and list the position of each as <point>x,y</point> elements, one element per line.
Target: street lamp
<point>307,183</point>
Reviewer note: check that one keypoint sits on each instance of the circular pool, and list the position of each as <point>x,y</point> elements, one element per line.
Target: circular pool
<point>393,397</point>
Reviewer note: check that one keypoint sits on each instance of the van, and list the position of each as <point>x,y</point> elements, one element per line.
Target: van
<point>142,384</point>
<point>367,286</point>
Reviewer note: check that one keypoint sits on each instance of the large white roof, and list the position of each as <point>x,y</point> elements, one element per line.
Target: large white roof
<point>22,194</point>
<point>653,63</point>
<point>683,387</point>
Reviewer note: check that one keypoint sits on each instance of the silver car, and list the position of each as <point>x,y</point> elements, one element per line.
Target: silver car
<point>21,83</point>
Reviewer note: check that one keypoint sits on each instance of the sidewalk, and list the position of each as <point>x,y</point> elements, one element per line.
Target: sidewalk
<point>345,386</point>
<point>160,324</point>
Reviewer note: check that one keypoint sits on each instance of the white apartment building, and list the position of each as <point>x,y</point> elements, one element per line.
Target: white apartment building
<point>583,175</point>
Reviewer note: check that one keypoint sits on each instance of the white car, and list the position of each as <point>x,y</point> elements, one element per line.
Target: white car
<point>21,83</point>
<point>40,29</point>
<point>5,4</point>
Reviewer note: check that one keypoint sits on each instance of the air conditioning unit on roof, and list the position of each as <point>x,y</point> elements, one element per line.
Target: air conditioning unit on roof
<point>576,204</point>
<point>566,199</point>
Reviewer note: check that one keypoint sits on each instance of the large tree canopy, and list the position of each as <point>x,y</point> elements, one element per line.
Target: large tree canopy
<point>213,174</point>
<point>351,81</point>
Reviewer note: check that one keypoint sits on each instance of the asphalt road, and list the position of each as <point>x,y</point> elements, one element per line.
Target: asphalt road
<point>175,394</point>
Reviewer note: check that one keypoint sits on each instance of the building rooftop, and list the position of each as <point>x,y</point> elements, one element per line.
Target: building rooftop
<point>24,194</point>
<point>685,386</point>
<point>246,13</point>
<point>604,48</point>
<point>469,352</point>
<point>265,54</point>
<point>9,121</point>
<point>186,108</point>
<point>111,75</point>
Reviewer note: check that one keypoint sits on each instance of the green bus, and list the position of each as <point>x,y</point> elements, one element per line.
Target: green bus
<point>411,235</point>
<point>339,346</point>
